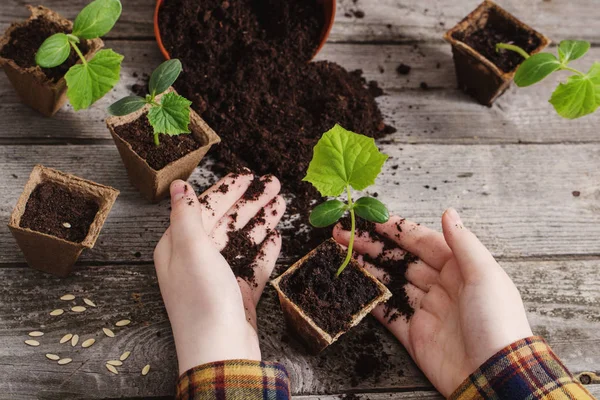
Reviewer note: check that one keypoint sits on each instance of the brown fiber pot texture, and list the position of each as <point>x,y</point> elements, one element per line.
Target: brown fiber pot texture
<point>477,75</point>
<point>31,84</point>
<point>153,184</point>
<point>49,253</point>
<point>301,324</point>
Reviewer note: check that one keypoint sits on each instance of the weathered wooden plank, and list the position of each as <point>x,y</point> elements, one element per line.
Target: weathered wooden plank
<point>517,198</point>
<point>436,115</point>
<point>383,21</point>
<point>562,299</point>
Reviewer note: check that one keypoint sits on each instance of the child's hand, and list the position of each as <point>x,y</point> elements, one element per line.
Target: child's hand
<point>466,307</point>
<point>212,314</point>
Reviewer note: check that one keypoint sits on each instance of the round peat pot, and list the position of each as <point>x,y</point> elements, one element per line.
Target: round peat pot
<point>329,7</point>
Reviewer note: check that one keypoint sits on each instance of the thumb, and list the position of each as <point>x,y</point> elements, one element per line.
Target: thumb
<point>186,215</point>
<point>473,258</point>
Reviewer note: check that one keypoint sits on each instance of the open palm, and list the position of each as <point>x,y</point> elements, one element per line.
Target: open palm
<point>466,306</point>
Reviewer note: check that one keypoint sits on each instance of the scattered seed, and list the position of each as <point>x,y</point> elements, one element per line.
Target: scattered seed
<point>66,225</point>
<point>64,361</point>
<point>108,332</point>
<point>78,309</point>
<point>123,322</point>
<point>88,343</point>
<point>52,357</point>
<point>33,343</point>
<point>68,297</point>
<point>116,363</point>
<point>89,302</point>
<point>112,369</point>
<point>36,334</point>
<point>58,311</point>
<point>74,340</point>
<point>66,338</point>
<point>146,369</point>
<point>125,356</point>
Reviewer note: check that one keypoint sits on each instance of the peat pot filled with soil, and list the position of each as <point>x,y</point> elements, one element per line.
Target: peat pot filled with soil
<point>57,216</point>
<point>43,89</point>
<point>481,71</point>
<point>151,168</point>
<point>318,305</point>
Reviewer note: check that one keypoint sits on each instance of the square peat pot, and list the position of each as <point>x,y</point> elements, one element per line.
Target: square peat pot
<point>481,71</point>
<point>49,252</point>
<point>320,307</point>
<point>31,83</point>
<point>154,183</point>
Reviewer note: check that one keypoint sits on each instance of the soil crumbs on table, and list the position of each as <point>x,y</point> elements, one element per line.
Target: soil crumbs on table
<point>26,40</point>
<point>139,134</point>
<point>246,70</point>
<point>55,210</point>
<point>496,30</point>
<point>329,300</point>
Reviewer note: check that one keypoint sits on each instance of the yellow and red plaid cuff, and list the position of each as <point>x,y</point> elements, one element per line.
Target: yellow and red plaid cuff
<point>235,380</point>
<point>526,370</point>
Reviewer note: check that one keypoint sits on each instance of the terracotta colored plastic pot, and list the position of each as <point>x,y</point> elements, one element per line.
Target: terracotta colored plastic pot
<point>329,7</point>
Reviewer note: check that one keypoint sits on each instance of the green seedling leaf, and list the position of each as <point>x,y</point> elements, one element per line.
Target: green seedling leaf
<point>54,51</point>
<point>327,213</point>
<point>171,116</point>
<point>90,81</point>
<point>569,50</point>
<point>342,158</point>
<point>372,210</point>
<point>575,98</point>
<point>594,76</point>
<point>536,68</point>
<point>164,76</point>
<point>97,19</point>
<point>126,105</point>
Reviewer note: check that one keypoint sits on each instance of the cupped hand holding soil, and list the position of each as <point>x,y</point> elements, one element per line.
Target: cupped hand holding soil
<point>466,308</point>
<point>211,304</point>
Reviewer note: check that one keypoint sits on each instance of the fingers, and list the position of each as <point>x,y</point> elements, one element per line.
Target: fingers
<point>363,242</point>
<point>265,263</point>
<point>421,241</point>
<point>472,256</point>
<point>186,217</point>
<point>267,220</point>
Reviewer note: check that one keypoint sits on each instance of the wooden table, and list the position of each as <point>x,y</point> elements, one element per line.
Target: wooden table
<point>510,169</point>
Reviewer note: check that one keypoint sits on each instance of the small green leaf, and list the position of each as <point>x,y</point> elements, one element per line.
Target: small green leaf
<point>536,68</point>
<point>343,158</point>
<point>575,98</point>
<point>89,82</point>
<point>372,210</point>
<point>594,75</point>
<point>569,50</point>
<point>126,105</point>
<point>172,116</point>
<point>164,76</point>
<point>327,213</point>
<point>54,51</point>
<point>97,19</point>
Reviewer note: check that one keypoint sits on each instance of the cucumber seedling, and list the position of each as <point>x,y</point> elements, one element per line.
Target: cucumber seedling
<point>91,80</point>
<point>580,95</point>
<point>171,114</point>
<point>342,161</point>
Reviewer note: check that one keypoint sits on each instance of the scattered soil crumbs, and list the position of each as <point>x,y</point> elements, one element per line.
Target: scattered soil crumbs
<point>246,71</point>
<point>26,40</point>
<point>403,69</point>
<point>139,134</point>
<point>329,300</point>
<point>498,30</point>
<point>395,271</point>
<point>55,210</point>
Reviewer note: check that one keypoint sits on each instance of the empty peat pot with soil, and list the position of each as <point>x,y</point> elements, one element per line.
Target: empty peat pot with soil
<point>481,70</point>
<point>43,89</point>
<point>57,216</point>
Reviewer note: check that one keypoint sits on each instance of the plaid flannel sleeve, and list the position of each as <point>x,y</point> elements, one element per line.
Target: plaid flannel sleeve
<point>235,380</point>
<point>526,370</point>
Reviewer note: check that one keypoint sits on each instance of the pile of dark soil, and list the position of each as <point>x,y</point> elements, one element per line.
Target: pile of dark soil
<point>496,30</point>
<point>55,210</point>
<point>139,134</point>
<point>26,40</point>
<point>246,70</point>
